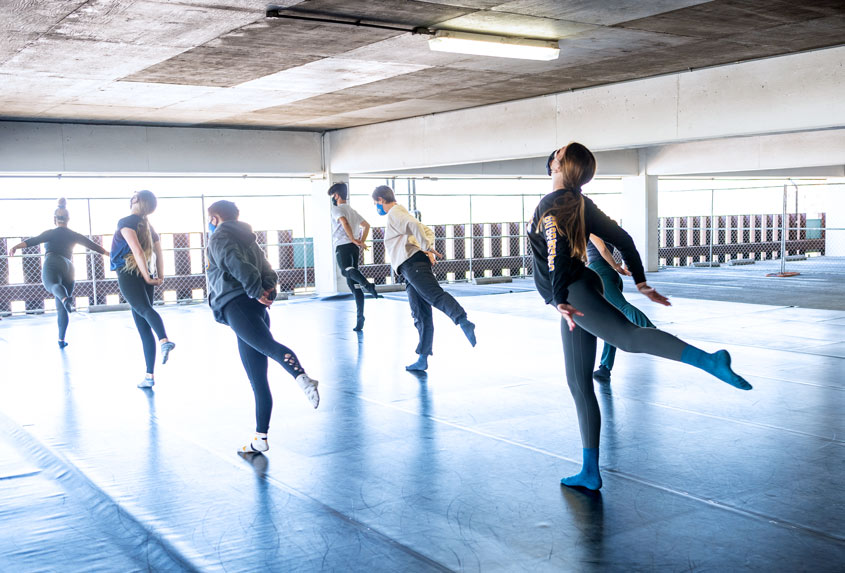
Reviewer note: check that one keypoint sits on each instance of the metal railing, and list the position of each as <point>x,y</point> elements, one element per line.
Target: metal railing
<point>290,253</point>
<point>783,240</point>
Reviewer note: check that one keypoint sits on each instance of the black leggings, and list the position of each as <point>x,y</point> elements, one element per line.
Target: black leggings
<point>251,322</point>
<point>57,277</point>
<point>347,259</point>
<point>139,295</point>
<point>601,319</point>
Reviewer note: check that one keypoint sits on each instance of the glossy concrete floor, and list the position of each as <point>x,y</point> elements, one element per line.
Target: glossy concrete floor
<point>455,470</point>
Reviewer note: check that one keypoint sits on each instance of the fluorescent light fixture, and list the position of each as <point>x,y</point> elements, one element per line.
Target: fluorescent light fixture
<point>498,46</point>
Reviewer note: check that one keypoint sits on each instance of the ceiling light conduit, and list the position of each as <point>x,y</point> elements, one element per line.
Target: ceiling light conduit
<point>453,41</point>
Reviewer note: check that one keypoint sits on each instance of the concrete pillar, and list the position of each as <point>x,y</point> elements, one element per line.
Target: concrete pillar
<point>834,207</point>
<point>328,279</point>
<point>639,196</point>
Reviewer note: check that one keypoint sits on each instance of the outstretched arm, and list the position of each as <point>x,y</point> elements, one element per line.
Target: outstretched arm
<point>89,244</point>
<point>21,245</point>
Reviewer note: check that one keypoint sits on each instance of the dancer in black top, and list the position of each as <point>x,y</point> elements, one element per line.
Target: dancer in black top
<point>241,286</point>
<point>132,247</point>
<point>57,272</point>
<point>558,235</point>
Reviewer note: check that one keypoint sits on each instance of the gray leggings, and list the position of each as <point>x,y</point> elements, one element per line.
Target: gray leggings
<point>57,277</point>
<point>601,319</point>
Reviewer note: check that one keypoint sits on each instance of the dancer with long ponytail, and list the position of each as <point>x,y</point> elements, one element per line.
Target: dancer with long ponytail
<point>558,235</point>
<point>132,248</point>
<point>57,274</point>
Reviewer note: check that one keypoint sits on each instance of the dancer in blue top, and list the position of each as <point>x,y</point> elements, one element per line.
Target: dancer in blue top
<point>57,274</point>
<point>558,235</point>
<point>133,245</point>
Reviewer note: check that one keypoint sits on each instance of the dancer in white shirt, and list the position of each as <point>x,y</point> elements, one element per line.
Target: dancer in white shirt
<point>349,232</point>
<point>410,246</point>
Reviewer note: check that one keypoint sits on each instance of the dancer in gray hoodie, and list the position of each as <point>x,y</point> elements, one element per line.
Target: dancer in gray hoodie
<point>241,288</point>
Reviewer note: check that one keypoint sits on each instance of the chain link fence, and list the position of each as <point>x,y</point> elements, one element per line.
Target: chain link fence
<point>791,228</point>
<point>478,235</point>
<point>279,221</point>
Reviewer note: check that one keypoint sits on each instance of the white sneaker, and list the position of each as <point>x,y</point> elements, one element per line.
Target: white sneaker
<point>309,386</point>
<point>257,445</point>
<point>147,383</point>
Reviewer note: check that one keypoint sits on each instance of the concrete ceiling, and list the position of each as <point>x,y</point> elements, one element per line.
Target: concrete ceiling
<point>221,63</point>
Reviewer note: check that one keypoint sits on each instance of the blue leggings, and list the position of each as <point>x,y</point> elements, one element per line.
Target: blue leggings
<point>139,295</point>
<point>251,322</point>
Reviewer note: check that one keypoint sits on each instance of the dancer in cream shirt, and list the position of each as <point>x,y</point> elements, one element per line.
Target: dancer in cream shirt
<point>410,246</point>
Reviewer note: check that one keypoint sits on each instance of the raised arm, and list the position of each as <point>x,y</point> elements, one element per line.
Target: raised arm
<point>140,259</point>
<point>89,244</point>
<point>31,242</point>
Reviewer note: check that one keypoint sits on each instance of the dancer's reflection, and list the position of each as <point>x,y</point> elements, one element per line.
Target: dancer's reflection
<point>586,509</point>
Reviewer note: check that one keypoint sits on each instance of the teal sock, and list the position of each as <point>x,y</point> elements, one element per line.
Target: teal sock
<point>420,364</point>
<point>589,476</point>
<point>718,364</point>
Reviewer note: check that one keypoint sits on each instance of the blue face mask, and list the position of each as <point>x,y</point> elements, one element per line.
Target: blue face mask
<point>380,209</point>
<point>211,227</point>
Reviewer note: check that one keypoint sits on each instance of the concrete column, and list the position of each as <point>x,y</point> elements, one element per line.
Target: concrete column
<point>834,207</point>
<point>328,279</point>
<point>639,194</point>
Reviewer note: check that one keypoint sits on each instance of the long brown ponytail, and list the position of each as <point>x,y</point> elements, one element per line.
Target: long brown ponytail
<point>577,165</point>
<point>148,202</point>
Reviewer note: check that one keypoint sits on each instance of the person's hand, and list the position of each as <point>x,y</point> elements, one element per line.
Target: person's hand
<point>266,299</point>
<point>154,281</point>
<point>432,255</point>
<point>622,270</point>
<point>12,251</point>
<point>653,294</point>
<point>569,312</point>
<point>361,244</point>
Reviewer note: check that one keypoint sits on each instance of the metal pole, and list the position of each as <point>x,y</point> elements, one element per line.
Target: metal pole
<point>471,240</point>
<point>304,248</point>
<point>523,246</point>
<point>783,234</point>
<point>712,221</point>
<point>91,255</point>
<point>204,228</point>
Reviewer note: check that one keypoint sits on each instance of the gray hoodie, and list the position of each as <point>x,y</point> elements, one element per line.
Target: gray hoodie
<point>236,266</point>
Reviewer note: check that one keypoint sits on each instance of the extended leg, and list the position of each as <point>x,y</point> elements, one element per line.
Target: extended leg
<point>250,321</point>
<point>606,322</point>
<point>420,275</point>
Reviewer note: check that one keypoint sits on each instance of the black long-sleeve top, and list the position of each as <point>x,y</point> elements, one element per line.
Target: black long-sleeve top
<point>61,241</point>
<point>554,267</point>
